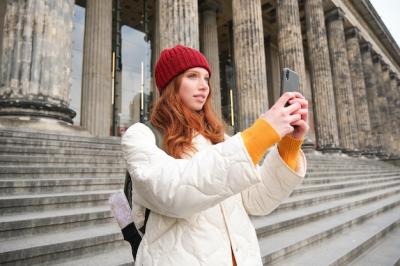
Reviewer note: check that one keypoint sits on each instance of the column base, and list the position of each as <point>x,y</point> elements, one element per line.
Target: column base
<point>370,153</point>
<point>17,108</point>
<point>352,153</point>
<point>329,149</point>
<point>42,125</point>
<point>308,145</point>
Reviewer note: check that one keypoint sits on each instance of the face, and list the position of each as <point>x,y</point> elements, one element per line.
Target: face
<point>194,88</point>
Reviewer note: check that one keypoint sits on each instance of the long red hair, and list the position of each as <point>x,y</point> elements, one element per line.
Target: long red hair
<point>178,123</point>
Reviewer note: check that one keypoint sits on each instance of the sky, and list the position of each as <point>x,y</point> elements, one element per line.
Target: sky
<point>388,11</point>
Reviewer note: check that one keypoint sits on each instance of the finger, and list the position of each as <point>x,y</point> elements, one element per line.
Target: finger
<point>298,95</point>
<point>301,124</point>
<point>303,102</point>
<point>293,118</point>
<point>292,108</point>
<point>284,99</point>
<point>300,112</point>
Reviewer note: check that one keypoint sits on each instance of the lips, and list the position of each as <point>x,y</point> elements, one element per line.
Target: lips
<point>200,97</point>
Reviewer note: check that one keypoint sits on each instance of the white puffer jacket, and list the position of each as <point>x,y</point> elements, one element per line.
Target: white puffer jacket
<point>200,206</point>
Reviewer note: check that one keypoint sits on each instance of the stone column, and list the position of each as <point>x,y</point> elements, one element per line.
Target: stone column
<point>359,90</point>
<point>291,53</point>
<point>382,102</point>
<point>178,23</point>
<point>36,59</point>
<point>3,6</point>
<point>391,111</point>
<point>394,103</point>
<point>251,74</point>
<point>209,47</point>
<point>372,97</point>
<point>321,77</point>
<point>96,74</point>
<point>341,81</point>
<point>155,51</point>
<point>396,86</point>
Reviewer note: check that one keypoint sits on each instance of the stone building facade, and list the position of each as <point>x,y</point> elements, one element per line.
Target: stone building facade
<point>349,64</point>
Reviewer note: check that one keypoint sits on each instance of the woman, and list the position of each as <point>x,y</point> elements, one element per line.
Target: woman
<point>202,187</point>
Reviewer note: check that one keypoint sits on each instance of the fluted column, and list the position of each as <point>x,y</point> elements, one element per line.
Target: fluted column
<point>322,85</point>
<point>397,106</point>
<point>341,81</point>
<point>96,74</point>
<point>290,41</point>
<point>3,6</point>
<point>359,90</point>
<point>36,59</point>
<point>394,103</point>
<point>372,97</point>
<point>209,47</point>
<point>251,74</point>
<point>290,44</point>
<point>178,23</point>
<point>388,97</point>
<point>382,102</point>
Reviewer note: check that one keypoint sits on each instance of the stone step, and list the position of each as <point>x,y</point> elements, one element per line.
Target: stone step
<point>34,223</point>
<point>280,221</point>
<point>39,160</point>
<point>302,189</point>
<point>278,246</point>
<point>61,245</point>
<point>29,134</point>
<point>294,202</point>
<point>383,252</point>
<point>329,180</point>
<point>35,142</point>
<point>115,257</point>
<point>346,169</point>
<point>8,172</point>
<point>355,172</point>
<point>18,150</point>
<point>43,186</point>
<point>42,202</point>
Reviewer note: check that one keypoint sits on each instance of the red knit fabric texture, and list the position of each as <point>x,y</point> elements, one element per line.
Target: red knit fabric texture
<point>174,61</point>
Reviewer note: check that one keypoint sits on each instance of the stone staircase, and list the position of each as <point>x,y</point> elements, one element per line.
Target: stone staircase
<point>346,212</point>
<point>54,193</point>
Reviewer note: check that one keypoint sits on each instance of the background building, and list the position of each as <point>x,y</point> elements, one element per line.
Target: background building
<point>76,74</point>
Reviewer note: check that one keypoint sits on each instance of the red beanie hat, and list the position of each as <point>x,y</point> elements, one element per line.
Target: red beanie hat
<point>174,61</point>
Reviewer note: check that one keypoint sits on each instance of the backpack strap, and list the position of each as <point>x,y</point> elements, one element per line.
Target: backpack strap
<point>157,134</point>
<point>128,182</point>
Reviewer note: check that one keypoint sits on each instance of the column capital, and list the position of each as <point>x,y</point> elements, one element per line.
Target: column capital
<point>376,58</point>
<point>352,32</point>
<point>334,14</point>
<point>392,74</point>
<point>210,5</point>
<point>366,47</point>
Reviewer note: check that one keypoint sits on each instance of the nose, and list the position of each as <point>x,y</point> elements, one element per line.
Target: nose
<point>203,84</point>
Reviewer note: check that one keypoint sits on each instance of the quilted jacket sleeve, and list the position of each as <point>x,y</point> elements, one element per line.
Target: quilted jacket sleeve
<point>278,181</point>
<point>181,187</point>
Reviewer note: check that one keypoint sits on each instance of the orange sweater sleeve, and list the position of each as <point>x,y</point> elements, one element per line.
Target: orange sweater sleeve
<point>261,136</point>
<point>258,138</point>
<point>289,149</point>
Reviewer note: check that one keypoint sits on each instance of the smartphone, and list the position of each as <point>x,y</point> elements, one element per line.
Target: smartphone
<point>289,81</point>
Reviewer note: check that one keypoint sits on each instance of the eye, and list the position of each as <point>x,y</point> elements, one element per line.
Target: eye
<point>192,75</point>
<point>207,79</point>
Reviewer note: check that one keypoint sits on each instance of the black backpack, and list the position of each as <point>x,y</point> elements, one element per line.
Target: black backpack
<point>130,233</point>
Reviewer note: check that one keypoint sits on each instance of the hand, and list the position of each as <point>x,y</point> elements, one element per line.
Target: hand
<point>300,126</point>
<point>280,117</point>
